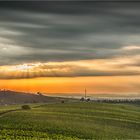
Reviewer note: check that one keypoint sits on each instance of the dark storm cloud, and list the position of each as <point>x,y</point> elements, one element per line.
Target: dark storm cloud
<point>66,31</point>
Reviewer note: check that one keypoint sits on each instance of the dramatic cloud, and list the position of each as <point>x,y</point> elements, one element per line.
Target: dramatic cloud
<point>108,67</point>
<point>64,32</point>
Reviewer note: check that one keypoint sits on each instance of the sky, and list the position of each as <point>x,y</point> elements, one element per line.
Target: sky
<point>67,46</point>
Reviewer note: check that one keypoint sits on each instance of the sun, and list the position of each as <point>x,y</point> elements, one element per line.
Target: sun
<point>23,67</point>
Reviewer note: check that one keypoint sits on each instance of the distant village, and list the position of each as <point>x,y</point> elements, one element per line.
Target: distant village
<point>13,97</point>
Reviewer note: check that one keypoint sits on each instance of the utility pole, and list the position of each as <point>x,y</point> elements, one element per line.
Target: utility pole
<point>85,93</point>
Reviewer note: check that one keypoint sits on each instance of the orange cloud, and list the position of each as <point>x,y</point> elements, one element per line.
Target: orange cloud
<point>108,67</point>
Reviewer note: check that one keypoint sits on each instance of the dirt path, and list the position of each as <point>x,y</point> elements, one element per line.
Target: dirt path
<point>8,111</point>
<point>13,110</point>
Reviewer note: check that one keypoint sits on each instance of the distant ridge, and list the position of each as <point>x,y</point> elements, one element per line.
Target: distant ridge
<point>12,97</point>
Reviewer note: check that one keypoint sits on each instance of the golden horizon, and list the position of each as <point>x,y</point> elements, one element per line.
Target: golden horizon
<point>103,84</point>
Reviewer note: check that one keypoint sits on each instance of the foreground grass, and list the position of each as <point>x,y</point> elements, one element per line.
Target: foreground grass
<point>72,121</point>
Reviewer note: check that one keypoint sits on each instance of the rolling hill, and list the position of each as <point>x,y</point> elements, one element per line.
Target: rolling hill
<point>71,121</point>
<point>8,97</point>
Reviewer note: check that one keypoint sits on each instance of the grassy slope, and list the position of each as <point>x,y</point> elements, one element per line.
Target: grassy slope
<point>73,121</point>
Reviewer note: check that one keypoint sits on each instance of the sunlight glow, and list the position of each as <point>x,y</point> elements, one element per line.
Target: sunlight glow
<point>24,67</point>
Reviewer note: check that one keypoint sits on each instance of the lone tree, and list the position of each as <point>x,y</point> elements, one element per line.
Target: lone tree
<point>38,93</point>
<point>82,99</point>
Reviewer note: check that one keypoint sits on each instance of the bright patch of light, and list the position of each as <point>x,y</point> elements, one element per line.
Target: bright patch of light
<point>130,48</point>
<point>24,67</point>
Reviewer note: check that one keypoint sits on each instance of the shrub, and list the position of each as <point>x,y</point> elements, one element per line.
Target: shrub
<point>26,107</point>
<point>62,101</point>
<point>82,99</point>
<point>88,99</point>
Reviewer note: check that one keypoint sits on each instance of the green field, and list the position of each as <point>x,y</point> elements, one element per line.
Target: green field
<point>71,121</point>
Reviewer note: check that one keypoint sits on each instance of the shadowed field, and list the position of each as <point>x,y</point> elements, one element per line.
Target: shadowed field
<point>71,121</point>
